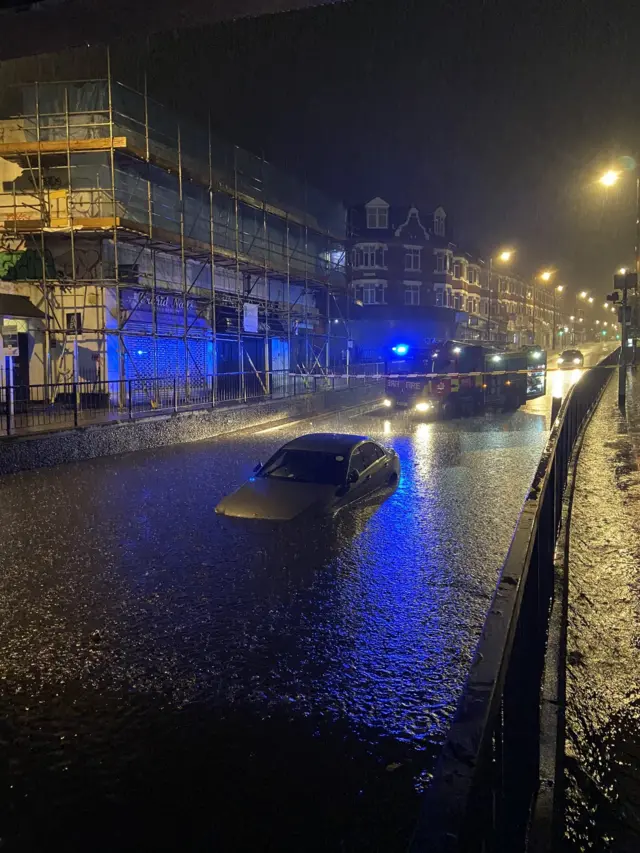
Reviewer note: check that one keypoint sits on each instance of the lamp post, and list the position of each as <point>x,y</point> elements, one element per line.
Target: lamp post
<point>557,289</point>
<point>504,256</point>
<point>608,179</point>
<point>546,276</point>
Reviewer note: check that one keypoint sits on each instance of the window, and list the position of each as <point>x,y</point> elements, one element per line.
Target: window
<point>438,223</point>
<point>74,323</point>
<point>364,456</point>
<point>412,259</point>
<point>412,294</point>
<point>373,293</point>
<point>457,270</point>
<point>369,255</point>
<point>304,466</point>
<point>439,299</point>
<point>457,302</point>
<point>378,217</point>
<point>441,262</point>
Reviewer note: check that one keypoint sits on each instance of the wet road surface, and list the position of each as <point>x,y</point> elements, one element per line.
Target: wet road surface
<point>603,673</point>
<point>177,680</point>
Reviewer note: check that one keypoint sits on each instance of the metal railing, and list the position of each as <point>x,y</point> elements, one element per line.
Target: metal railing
<point>487,780</point>
<point>35,408</point>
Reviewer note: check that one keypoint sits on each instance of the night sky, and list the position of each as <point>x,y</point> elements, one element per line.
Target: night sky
<point>502,112</point>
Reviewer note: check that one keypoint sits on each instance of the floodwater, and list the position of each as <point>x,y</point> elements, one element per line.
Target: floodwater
<point>174,680</point>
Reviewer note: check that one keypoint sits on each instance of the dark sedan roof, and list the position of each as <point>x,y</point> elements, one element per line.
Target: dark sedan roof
<point>326,442</point>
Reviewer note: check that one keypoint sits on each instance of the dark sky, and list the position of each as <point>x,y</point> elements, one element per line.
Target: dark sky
<point>502,112</point>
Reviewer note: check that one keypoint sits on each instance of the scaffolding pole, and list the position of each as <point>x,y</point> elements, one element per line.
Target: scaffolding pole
<point>296,278</point>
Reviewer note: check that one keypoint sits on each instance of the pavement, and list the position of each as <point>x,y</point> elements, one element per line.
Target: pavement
<point>603,641</point>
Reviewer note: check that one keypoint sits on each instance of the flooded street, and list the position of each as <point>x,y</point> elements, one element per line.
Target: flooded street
<point>173,679</point>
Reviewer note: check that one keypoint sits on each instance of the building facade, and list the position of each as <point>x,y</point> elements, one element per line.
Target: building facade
<point>408,278</point>
<point>135,244</point>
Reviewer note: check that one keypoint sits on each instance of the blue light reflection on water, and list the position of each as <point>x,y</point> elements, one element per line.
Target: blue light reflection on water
<point>366,627</point>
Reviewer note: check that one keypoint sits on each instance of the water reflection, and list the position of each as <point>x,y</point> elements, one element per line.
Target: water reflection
<point>300,665</point>
<point>563,380</point>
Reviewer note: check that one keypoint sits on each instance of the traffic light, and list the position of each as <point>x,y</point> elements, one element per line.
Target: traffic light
<point>616,296</point>
<point>628,315</point>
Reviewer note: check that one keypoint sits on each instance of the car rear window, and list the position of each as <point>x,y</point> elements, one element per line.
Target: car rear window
<point>306,466</point>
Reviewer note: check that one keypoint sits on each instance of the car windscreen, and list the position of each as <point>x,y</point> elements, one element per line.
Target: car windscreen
<point>306,466</point>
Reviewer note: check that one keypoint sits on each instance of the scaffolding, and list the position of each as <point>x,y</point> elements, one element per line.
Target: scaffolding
<point>153,247</point>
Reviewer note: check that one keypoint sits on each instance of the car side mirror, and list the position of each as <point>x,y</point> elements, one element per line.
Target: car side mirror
<point>257,467</point>
<point>353,477</point>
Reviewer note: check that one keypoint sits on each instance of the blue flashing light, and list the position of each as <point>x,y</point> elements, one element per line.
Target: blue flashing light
<point>140,352</point>
<point>400,349</point>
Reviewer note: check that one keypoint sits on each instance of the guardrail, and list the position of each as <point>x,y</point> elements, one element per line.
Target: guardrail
<point>34,408</point>
<point>487,780</point>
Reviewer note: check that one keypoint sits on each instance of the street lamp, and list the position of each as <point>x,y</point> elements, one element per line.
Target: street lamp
<point>608,179</point>
<point>546,276</point>
<point>504,255</point>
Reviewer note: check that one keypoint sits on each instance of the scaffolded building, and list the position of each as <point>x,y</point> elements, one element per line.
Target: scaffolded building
<point>146,246</point>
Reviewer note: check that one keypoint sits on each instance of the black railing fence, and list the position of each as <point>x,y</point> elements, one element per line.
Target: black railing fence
<point>32,408</point>
<point>485,786</point>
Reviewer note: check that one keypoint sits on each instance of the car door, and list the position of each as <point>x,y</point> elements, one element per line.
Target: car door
<point>381,465</point>
<point>368,460</point>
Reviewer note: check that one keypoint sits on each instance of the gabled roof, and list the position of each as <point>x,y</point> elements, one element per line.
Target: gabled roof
<point>413,217</point>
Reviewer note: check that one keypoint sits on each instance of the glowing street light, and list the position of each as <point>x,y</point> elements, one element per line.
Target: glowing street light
<point>622,270</point>
<point>560,288</point>
<point>597,322</point>
<point>590,300</point>
<point>605,305</point>
<point>583,294</point>
<point>504,255</point>
<point>609,178</point>
<point>546,275</point>
<point>572,318</point>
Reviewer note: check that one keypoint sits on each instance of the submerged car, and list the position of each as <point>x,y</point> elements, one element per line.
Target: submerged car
<point>570,359</point>
<point>316,474</point>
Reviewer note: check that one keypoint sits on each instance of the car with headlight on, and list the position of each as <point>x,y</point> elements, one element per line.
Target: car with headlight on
<point>570,359</point>
<point>315,474</point>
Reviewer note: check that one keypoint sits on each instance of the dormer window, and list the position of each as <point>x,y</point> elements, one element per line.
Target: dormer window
<point>377,213</point>
<point>438,222</point>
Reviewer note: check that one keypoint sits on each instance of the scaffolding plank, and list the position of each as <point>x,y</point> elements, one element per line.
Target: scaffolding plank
<point>60,146</point>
